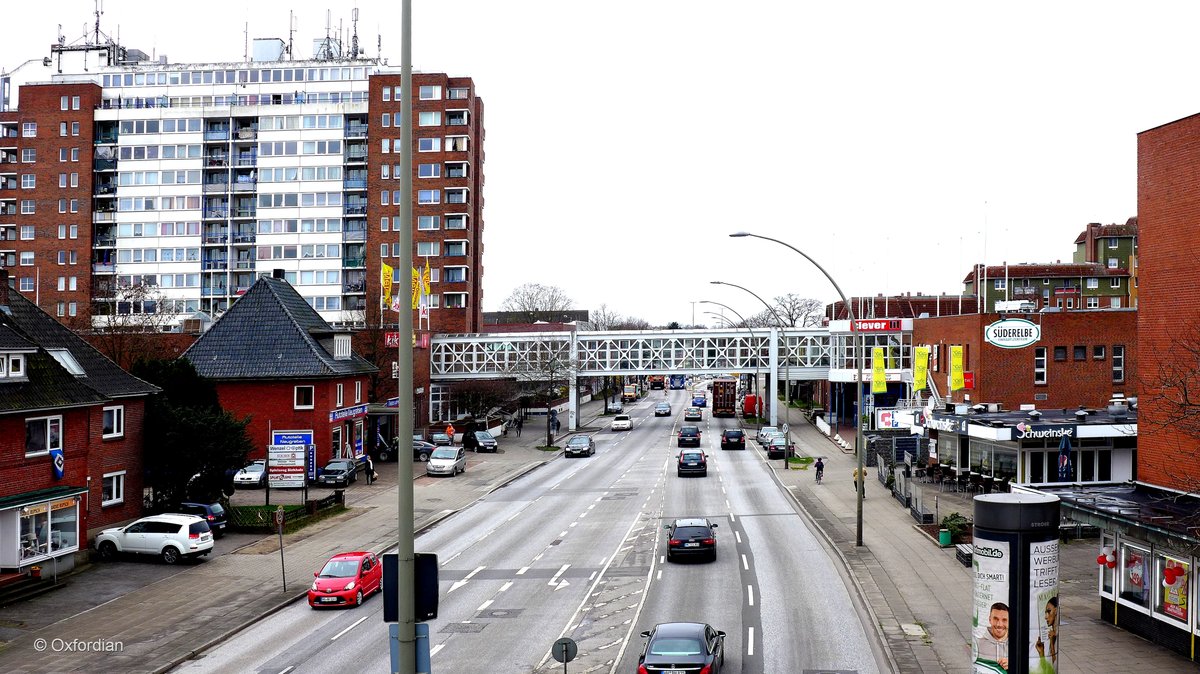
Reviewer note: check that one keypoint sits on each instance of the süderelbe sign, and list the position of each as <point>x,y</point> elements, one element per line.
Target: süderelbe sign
<point>1012,333</point>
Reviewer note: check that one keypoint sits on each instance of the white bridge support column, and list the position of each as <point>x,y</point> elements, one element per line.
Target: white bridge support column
<point>774,370</point>
<point>573,378</point>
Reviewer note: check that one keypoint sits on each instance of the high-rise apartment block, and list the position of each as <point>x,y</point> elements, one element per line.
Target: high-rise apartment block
<point>145,191</point>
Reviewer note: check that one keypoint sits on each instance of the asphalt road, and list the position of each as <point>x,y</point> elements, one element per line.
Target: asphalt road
<point>577,549</point>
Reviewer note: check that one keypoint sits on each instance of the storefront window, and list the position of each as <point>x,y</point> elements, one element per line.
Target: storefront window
<point>1171,597</point>
<point>1134,567</point>
<point>64,525</point>
<point>947,446</point>
<point>35,530</point>
<point>1107,542</point>
<point>47,528</point>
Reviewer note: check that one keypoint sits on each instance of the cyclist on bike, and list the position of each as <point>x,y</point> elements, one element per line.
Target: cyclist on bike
<point>820,466</point>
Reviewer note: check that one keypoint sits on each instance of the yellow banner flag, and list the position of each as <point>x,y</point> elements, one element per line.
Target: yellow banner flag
<point>385,279</point>
<point>956,369</point>
<point>416,287</point>
<point>878,372</point>
<point>425,279</point>
<point>920,368</point>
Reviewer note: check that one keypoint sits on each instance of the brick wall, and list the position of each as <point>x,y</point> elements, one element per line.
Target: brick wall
<point>114,455</point>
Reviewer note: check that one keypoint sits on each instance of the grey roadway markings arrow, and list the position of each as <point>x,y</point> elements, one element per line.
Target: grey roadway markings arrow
<point>555,580</point>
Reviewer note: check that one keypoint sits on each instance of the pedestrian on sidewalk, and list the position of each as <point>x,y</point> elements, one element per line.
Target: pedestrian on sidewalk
<point>520,422</point>
<point>864,472</point>
<point>370,470</point>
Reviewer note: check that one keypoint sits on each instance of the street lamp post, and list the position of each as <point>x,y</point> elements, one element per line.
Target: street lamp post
<point>855,337</point>
<point>757,358</point>
<point>787,394</point>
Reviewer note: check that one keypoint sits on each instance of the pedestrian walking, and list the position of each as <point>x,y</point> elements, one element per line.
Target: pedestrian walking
<point>450,432</point>
<point>370,470</point>
<point>520,422</point>
<point>864,474</point>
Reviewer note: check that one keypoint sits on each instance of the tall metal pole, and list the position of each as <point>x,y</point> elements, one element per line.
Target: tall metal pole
<point>757,357</point>
<point>787,397</point>
<point>406,569</point>
<point>855,337</point>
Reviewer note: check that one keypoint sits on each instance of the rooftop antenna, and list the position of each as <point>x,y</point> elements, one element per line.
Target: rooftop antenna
<point>291,33</point>
<point>354,35</point>
<point>327,47</point>
<point>246,42</point>
<point>98,11</point>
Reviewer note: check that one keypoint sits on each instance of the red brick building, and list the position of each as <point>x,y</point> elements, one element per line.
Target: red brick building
<point>70,439</point>
<point>1081,358</point>
<point>274,359</point>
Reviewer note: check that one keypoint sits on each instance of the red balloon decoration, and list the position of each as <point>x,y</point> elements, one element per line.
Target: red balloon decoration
<point>1102,559</point>
<point>1112,565</point>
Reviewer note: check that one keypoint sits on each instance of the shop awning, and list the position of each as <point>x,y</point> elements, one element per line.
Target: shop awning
<point>26,498</point>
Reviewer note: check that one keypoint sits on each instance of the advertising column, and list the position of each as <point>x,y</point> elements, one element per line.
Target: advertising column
<point>1015,607</point>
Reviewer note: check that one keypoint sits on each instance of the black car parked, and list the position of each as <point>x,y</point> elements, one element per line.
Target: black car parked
<point>683,647</point>
<point>691,537</point>
<point>339,473</point>
<point>213,513</point>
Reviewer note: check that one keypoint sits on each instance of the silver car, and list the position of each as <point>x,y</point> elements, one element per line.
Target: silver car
<point>580,445</point>
<point>447,461</point>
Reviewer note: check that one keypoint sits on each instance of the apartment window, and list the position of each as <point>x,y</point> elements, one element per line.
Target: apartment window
<point>383,197</point>
<point>62,180</point>
<point>458,93</point>
<point>429,222</point>
<point>1098,352</point>
<point>1080,352</point>
<point>429,145</point>
<point>74,154</point>
<point>387,94</point>
<point>385,171</point>
<point>27,232</point>
<point>29,130</point>
<point>1116,302</point>
<point>383,250</point>
<point>1118,363</point>
<point>429,118</point>
<point>74,128</point>
<point>999,284</point>
<point>1112,242</point>
<point>455,300</point>
<point>1093,283</point>
<point>456,248</point>
<point>62,283</point>
<point>74,205</point>
<point>28,181</point>
<point>75,101</point>
<point>113,489</point>
<point>396,250</point>
<point>27,284</point>
<point>358,391</point>
<point>1114,282</point>
<point>1060,353</point>
<point>456,143</point>
<point>1093,303</point>
<point>429,196</point>
<point>28,207</point>
<point>429,171</point>
<point>456,275</point>
<point>113,422</point>
<point>42,434</point>
<point>61,309</point>
<point>29,155</point>
<point>387,119</point>
<point>26,258</point>
<point>457,221</point>
<point>73,283</point>
<point>428,248</point>
<point>386,146</point>
<point>1112,263</point>
<point>62,154</point>
<point>429,93</point>
<point>303,398</point>
<point>62,129</point>
<point>62,257</point>
<point>74,231</point>
<point>339,395</point>
<point>456,196</point>
<point>1039,365</point>
<point>383,224</point>
<point>64,103</point>
<point>74,257</point>
<point>62,205</point>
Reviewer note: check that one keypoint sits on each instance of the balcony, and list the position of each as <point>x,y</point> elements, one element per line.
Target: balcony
<point>104,165</point>
<point>355,209</point>
<point>247,133</point>
<point>243,264</point>
<point>356,155</point>
<point>245,212</point>
<point>105,241</point>
<point>247,159</point>
<point>216,134</point>
<point>221,238</point>
<point>104,216</point>
<point>215,213</point>
<point>247,185</point>
<point>106,189</point>
<point>8,209</point>
<point>214,265</point>
<point>106,138</point>
<point>354,262</point>
<point>354,287</point>
<point>354,235</point>
<point>216,161</point>
<point>356,131</point>
<point>8,184</point>
<point>211,292</point>
<point>98,268</point>
<point>354,184</point>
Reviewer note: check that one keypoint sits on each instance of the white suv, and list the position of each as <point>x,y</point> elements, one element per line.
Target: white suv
<point>622,422</point>
<point>171,537</point>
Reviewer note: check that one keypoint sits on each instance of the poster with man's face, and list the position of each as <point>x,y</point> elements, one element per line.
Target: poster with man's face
<point>989,645</point>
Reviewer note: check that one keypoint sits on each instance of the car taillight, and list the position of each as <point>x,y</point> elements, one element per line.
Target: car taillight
<point>210,517</point>
<point>642,669</point>
<point>194,534</point>
<point>709,541</point>
<point>674,541</point>
<point>707,669</point>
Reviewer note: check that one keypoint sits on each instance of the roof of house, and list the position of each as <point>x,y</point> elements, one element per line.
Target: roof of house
<point>1130,228</point>
<point>271,332</point>
<point>1046,270</point>
<point>48,384</point>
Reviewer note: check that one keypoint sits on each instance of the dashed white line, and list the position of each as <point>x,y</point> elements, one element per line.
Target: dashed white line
<point>522,570</point>
<point>749,641</point>
<point>738,536</point>
<point>287,669</point>
<point>484,605</point>
<point>506,586</point>
<point>732,518</point>
<point>356,623</point>
<point>659,575</point>
<point>435,650</point>
<point>745,565</point>
<point>749,595</point>
<point>562,533</point>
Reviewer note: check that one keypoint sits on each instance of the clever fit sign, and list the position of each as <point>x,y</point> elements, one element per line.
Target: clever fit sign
<point>1012,333</point>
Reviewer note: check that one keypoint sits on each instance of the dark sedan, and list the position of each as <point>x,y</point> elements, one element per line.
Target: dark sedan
<point>338,473</point>
<point>682,647</point>
<point>733,438</point>
<point>691,537</point>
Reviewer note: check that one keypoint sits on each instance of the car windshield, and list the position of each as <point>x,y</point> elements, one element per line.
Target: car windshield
<point>254,468</point>
<point>733,434</point>
<point>692,456</point>
<point>663,406</point>
<point>692,532</point>
<point>767,430</point>
<point>579,441</point>
<point>444,453</point>
<point>217,509</point>
<point>484,435</point>
<point>340,568</point>
<point>336,465</point>
<point>676,646</point>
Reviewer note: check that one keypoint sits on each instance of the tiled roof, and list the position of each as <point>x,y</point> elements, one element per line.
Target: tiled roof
<point>11,341</point>
<point>270,333</point>
<point>1128,229</point>
<point>47,386</point>
<point>1055,270</point>
<point>23,319</point>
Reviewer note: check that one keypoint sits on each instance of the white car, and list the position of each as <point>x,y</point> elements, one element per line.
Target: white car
<point>253,475</point>
<point>622,422</point>
<point>171,537</point>
<point>447,461</point>
<point>765,434</point>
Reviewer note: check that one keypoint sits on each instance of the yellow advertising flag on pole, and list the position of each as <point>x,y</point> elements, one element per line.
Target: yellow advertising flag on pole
<point>920,368</point>
<point>416,287</point>
<point>956,369</point>
<point>425,279</point>
<point>385,279</point>
<point>878,372</point>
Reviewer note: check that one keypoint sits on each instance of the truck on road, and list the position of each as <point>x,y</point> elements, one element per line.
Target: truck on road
<point>658,382</point>
<point>677,382</point>
<point>724,397</point>
<point>630,394</point>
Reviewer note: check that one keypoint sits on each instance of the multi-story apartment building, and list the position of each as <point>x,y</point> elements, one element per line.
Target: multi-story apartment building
<point>133,190</point>
<point>1064,286</point>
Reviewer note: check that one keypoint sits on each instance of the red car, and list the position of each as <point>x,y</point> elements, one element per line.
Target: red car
<point>346,580</point>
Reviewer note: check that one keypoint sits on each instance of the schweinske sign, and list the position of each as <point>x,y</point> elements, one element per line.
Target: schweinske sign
<point>1012,333</point>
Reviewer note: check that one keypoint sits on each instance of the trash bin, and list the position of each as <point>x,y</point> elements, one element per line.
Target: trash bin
<point>944,537</point>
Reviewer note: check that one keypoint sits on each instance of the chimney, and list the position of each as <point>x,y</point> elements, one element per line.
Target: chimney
<point>3,287</point>
<point>277,273</point>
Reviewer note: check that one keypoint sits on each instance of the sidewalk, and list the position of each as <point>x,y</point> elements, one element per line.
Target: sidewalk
<point>921,595</point>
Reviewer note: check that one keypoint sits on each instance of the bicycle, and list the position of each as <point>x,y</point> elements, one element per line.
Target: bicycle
<point>820,474</point>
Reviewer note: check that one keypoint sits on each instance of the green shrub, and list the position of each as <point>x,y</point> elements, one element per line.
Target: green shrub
<point>957,524</point>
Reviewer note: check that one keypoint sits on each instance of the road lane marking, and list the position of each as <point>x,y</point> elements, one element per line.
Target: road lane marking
<point>738,535</point>
<point>554,580</point>
<point>356,623</point>
<point>436,649</point>
<point>749,641</point>
<point>484,605</point>
<point>659,577</point>
<point>732,518</point>
<point>506,586</point>
<point>745,565</point>
<point>750,595</point>
<point>460,583</point>
<point>287,669</point>
<point>522,570</point>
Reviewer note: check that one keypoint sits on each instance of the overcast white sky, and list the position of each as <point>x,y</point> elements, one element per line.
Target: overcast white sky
<point>895,143</point>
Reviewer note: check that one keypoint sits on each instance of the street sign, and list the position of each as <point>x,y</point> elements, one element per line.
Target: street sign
<point>286,465</point>
<point>564,650</point>
<point>279,516</point>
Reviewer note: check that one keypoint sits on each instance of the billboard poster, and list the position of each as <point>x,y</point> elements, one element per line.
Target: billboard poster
<point>957,382</point>
<point>920,368</point>
<point>1175,589</point>
<point>1043,607</point>
<point>989,643</point>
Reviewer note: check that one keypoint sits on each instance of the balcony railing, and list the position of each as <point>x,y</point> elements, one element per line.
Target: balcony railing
<point>250,159</point>
<point>355,183</point>
<point>245,212</point>
<point>104,216</point>
<point>105,241</point>
<point>216,134</point>
<point>354,209</point>
<point>354,235</point>
<point>218,186</point>
<point>106,138</point>
<point>106,189</point>
<point>103,268</point>
<point>216,213</point>
<point>9,210</point>
<point>247,133</point>
<point>215,264</point>
<point>354,262</point>
<point>218,161</point>
<point>244,264</point>
<point>104,164</point>
<point>244,238</point>
<point>216,238</point>
<point>356,155</point>
<point>354,287</point>
<point>244,185</point>
<point>210,292</point>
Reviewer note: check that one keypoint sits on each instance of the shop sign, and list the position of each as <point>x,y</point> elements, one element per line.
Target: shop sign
<point>348,413</point>
<point>37,509</point>
<point>1032,432</point>
<point>878,325</point>
<point>63,503</point>
<point>1012,333</point>
<point>948,424</point>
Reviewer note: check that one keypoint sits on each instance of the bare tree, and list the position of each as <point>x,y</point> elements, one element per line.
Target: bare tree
<point>603,318</point>
<point>546,369</point>
<point>130,328</point>
<point>631,323</point>
<point>799,311</point>
<point>479,396</point>
<point>535,298</point>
